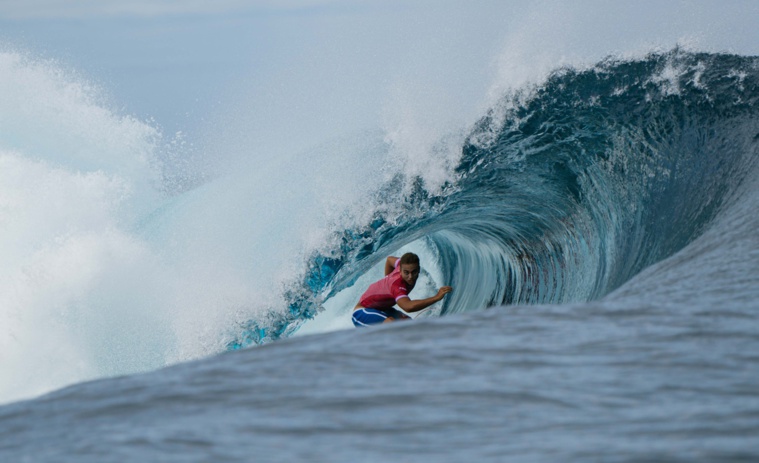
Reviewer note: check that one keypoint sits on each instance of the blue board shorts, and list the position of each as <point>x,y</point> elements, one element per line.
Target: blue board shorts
<point>368,317</point>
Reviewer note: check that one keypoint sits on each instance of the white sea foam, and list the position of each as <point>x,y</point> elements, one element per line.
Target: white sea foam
<point>72,176</point>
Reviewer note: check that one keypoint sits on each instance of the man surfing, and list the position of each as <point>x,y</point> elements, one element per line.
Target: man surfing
<point>376,304</point>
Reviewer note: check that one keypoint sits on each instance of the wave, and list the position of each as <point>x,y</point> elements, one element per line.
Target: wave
<point>564,190</point>
<point>123,253</point>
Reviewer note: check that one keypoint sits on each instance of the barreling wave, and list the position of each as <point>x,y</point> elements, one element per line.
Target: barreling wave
<point>568,189</point>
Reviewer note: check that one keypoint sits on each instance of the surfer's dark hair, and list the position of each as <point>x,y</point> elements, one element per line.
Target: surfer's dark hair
<point>409,258</point>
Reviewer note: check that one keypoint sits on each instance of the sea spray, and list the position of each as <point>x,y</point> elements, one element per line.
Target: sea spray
<point>73,177</point>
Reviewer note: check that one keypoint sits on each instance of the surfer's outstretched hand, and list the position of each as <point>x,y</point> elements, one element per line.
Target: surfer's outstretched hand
<point>443,291</point>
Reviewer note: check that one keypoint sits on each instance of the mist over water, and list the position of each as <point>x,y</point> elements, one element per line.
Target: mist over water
<point>126,247</point>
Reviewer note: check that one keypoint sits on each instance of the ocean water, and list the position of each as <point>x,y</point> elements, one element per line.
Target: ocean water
<point>599,225</point>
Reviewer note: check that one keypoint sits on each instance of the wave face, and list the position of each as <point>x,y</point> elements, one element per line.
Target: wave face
<point>565,190</point>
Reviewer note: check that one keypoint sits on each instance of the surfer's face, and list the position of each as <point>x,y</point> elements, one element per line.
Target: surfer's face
<point>409,273</point>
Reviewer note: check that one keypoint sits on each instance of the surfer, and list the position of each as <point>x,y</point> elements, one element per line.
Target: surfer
<point>376,304</point>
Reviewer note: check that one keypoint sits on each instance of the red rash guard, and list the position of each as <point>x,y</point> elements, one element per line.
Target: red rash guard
<point>385,293</point>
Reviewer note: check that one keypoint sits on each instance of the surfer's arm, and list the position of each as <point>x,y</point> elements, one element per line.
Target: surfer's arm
<point>390,264</point>
<point>410,306</point>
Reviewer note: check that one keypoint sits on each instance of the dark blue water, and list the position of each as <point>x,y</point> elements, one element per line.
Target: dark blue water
<point>601,237</point>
